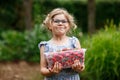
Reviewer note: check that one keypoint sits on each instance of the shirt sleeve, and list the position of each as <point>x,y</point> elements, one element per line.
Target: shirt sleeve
<point>74,41</point>
<point>45,44</point>
<point>41,44</point>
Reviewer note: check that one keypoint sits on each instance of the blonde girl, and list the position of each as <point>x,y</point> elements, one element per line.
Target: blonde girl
<point>59,22</point>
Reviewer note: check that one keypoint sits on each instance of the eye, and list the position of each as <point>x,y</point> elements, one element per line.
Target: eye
<point>58,21</point>
<point>64,21</point>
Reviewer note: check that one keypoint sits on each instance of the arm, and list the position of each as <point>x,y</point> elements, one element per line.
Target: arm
<point>77,66</point>
<point>43,65</point>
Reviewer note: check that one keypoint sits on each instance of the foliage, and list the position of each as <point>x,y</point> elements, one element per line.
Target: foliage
<point>107,11</point>
<point>12,14</point>
<point>79,10</point>
<point>17,46</point>
<point>12,45</point>
<point>38,34</point>
<point>102,58</point>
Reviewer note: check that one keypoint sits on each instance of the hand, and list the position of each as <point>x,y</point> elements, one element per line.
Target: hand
<point>77,66</point>
<point>56,68</point>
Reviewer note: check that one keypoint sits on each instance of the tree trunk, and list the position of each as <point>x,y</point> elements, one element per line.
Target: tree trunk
<point>91,16</point>
<point>28,13</point>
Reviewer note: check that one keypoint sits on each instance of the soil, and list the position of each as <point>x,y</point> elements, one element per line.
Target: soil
<point>19,71</point>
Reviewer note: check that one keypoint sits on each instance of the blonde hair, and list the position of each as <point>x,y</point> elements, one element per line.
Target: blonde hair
<point>56,11</point>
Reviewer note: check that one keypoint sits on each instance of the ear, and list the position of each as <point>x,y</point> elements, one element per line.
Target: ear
<point>50,27</point>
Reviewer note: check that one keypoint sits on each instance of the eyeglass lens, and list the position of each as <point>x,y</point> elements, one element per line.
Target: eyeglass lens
<point>58,21</point>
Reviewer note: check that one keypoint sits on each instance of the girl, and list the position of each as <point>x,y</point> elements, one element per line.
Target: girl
<point>59,22</point>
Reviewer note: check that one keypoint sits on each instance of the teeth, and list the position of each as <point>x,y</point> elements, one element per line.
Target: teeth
<point>61,29</point>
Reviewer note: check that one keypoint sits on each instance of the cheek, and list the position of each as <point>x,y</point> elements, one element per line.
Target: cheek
<point>53,25</point>
<point>68,26</point>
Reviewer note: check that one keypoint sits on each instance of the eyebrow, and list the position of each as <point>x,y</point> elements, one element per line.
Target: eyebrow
<point>60,19</point>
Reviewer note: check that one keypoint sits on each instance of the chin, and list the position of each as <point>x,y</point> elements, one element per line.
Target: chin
<point>60,34</point>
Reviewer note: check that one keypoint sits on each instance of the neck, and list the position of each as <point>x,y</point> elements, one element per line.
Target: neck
<point>59,38</point>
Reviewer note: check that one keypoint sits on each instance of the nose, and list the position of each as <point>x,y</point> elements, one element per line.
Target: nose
<point>60,22</point>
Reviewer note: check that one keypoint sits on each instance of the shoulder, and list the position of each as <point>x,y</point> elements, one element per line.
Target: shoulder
<point>42,43</point>
<point>75,42</point>
<point>74,39</point>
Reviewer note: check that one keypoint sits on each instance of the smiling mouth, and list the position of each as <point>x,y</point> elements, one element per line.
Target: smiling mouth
<point>61,28</point>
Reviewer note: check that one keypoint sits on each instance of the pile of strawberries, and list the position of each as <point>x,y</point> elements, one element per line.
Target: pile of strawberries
<point>66,58</point>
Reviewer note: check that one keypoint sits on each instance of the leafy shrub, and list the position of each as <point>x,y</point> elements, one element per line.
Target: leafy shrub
<point>103,55</point>
<point>17,46</point>
<point>33,38</point>
<point>12,45</point>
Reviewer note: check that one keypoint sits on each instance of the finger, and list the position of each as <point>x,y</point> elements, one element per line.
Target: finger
<point>74,66</point>
<point>50,70</point>
<point>55,67</point>
<point>78,64</point>
<point>60,66</point>
<point>82,67</point>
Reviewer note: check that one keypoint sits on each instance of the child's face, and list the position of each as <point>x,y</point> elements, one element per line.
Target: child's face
<point>60,25</point>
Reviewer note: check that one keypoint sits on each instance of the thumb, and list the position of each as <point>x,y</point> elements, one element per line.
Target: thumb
<point>50,70</point>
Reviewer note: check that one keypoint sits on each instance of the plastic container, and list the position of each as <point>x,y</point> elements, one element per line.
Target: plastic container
<point>66,58</point>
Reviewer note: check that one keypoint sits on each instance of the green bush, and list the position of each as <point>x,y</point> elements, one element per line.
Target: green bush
<point>12,44</point>
<point>17,46</point>
<point>33,38</point>
<point>103,54</point>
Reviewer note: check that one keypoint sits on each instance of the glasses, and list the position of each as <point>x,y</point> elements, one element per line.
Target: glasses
<point>58,21</point>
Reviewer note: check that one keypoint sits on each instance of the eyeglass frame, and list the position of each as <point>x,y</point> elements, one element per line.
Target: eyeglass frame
<point>58,21</point>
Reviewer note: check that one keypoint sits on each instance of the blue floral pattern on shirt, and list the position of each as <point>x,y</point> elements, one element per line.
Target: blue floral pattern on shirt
<point>65,74</point>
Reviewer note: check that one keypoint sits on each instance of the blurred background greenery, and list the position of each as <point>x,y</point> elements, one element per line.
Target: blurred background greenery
<point>98,30</point>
